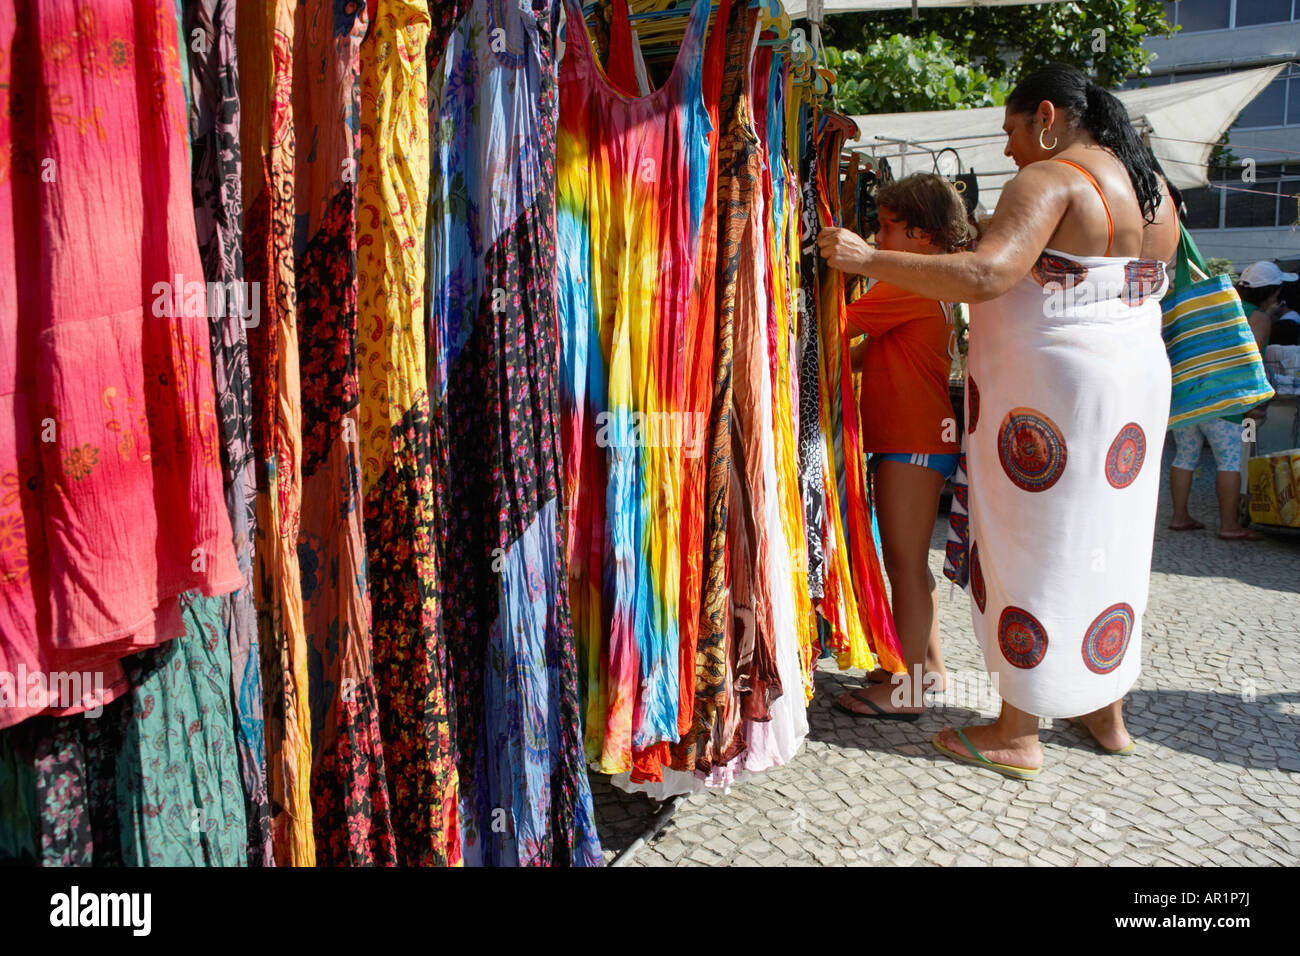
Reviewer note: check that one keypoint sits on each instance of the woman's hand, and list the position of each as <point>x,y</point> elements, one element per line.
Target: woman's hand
<point>845,250</point>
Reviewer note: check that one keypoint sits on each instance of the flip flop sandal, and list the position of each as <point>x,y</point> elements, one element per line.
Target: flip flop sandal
<point>1127,750</point>
<point>979,760</point>
<point>1246,535</point>
<point>877,714</point>
<point>1194,526</point>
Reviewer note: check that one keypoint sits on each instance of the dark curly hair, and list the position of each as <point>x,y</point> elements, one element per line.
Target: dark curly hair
<point>930,203</point>
<point>1101,114</point>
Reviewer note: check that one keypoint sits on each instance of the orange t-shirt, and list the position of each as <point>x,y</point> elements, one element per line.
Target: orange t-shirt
<point>905,404</point>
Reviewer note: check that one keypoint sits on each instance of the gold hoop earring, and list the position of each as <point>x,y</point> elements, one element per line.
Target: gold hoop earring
<point>1044,145</point>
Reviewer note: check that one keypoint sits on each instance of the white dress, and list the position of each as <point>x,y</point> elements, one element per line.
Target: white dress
<point>1067,402</point>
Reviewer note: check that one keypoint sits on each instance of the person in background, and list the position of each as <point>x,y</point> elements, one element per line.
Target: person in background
<point>1224,437</point>
<point>909,427</point>
<point>1260,287</point>
<point>1286,330</point>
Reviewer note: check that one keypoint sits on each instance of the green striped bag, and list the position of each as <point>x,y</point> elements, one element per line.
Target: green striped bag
<point>1217,370</point>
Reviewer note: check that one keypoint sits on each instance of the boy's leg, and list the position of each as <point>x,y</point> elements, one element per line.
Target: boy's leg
<point>907,502</point>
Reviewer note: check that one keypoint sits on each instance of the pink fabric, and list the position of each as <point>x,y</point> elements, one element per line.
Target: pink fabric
<point>110,483</point>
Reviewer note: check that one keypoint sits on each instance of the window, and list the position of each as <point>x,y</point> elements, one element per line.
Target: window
<point>1267,109</point>
<point>1256,208</point>
<point>1268,202</point>
<point>1254,12</point>
<point>1202,208</point>
<point>1278,104</point>
<point>1195,16</point>
<point>1288,207</point>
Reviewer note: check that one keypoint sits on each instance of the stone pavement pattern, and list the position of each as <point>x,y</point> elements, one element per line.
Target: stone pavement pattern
<point>1216,778</point>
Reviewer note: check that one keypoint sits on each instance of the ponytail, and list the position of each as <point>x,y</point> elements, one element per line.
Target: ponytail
<point>1101,114</point>
<point>1107,120</point>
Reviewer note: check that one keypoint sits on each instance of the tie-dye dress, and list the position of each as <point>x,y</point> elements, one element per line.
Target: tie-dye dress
<point>632,174</point>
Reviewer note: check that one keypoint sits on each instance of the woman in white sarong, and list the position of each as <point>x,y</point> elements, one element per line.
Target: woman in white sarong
<point>1067,404</point>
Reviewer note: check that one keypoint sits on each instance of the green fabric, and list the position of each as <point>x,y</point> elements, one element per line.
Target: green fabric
<point>18,816</point>
<point>1187,253</point>
<point>180,799</point>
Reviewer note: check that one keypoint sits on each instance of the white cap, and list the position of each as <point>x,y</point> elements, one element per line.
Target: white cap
<point>1263,274</point>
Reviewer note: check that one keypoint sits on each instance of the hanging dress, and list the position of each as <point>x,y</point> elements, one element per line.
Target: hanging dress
<point>116,539</point>
<point>218,214</point>
<point>494,385</point>
<point>632,173</point>
<point>1067,403</point>
<point>350,805</point>
<point>417,717</point>
<point>880,644</point>
<point>267,140</point>
<point>111,500</point>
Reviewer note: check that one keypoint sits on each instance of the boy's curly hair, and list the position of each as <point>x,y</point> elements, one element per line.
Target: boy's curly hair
<point>930,203</point>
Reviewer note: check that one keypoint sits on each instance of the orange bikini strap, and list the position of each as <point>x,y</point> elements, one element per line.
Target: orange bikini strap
<point>1110,223</point>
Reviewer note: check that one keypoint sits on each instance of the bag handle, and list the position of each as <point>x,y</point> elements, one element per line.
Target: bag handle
<point>947,149</point>
<point>1188,256</point>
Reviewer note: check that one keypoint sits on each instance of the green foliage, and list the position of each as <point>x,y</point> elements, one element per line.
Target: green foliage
<point>956,58</point>
<point>902,74</point>
<point>1219,267</point>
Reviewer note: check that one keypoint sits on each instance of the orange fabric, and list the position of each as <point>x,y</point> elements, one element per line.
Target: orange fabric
<point>904,402</point>
<point>1110,223</point>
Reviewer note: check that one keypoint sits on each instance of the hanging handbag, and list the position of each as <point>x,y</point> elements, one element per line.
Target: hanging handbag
<point>965,183</point>
<point>1217,370</point>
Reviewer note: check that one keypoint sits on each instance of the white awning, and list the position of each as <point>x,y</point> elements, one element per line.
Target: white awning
<point>1184,121</point>
<point>797,8</point>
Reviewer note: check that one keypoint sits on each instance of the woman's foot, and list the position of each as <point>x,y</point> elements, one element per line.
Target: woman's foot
<point>1186,524</point>
<point>992,741</point>
<point>1105,728</point>
<point>882,695</point>
<point>1241,534</point>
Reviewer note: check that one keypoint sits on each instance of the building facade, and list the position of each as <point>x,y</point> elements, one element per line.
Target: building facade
<point>1250,209</point>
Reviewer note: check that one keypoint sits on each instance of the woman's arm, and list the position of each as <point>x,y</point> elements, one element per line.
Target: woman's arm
<point>1032,206</point>
<point>1261,324</point>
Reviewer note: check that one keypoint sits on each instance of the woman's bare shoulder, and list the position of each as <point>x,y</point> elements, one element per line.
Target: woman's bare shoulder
<point>1160,236</point>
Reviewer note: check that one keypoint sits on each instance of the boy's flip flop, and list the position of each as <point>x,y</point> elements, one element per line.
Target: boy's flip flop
<point>877,714</point>
<point>979,760</point>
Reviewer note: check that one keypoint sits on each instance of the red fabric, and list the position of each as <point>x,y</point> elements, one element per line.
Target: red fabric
<point>620,69</point>
<point>111,500</point>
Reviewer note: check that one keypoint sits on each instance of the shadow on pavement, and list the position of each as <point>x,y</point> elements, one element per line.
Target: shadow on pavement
<point>1253,734</point>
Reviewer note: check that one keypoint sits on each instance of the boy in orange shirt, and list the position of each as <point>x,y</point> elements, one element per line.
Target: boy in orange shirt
<point>909,427</point>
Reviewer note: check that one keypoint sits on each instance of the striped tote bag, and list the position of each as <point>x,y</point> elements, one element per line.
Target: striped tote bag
<point>1217,369</point>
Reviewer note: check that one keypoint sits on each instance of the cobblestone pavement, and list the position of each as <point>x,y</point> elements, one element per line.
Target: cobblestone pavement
<point>1216,778</point>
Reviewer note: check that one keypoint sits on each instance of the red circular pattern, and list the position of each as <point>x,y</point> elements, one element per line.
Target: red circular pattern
<point>1107,639</point>
<point>1031,449</point>
<point>1127,452</point>
<point>1021,638</point>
